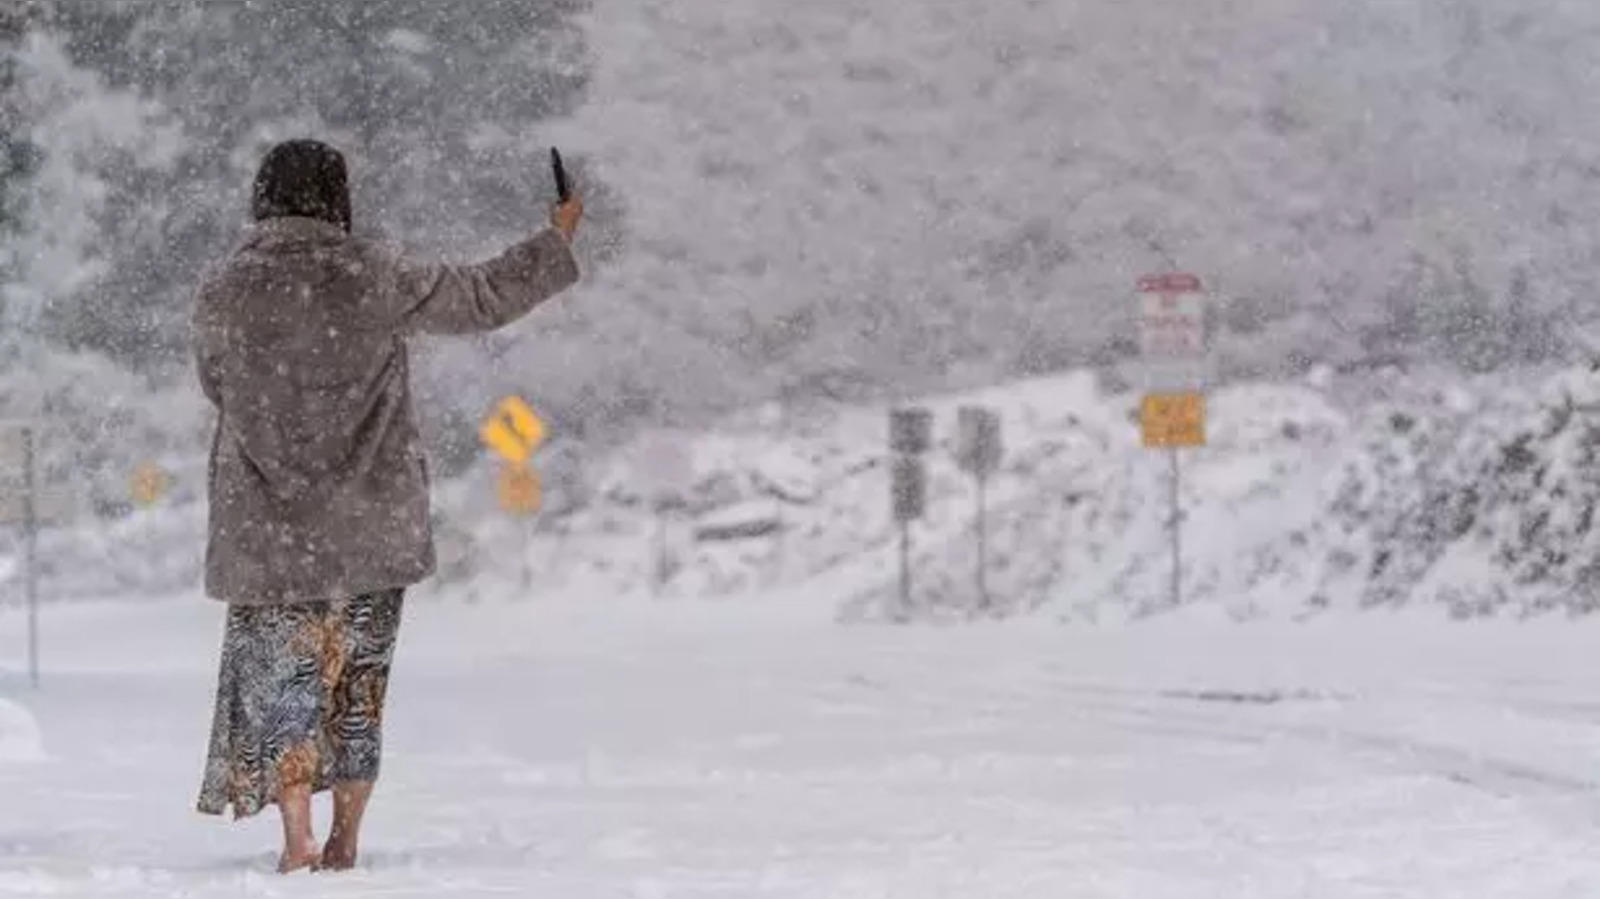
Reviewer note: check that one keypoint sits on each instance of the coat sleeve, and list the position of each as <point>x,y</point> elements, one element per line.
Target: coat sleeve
<point>462,299</point>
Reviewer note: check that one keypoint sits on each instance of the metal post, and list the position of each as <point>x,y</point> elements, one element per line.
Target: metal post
<point>30,567</point>
<point>982,525</point>
<point>1177,532</point>
<point>905,567</point>
<point>658,577</point>
<point>780,560</point>
<point>528,530</point>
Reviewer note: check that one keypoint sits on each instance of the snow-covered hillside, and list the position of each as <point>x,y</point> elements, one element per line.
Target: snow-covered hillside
<point>1469,495</point>
<point>1476,496</point>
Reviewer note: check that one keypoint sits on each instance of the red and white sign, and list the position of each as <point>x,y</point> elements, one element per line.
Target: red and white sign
<point>1172,317</point>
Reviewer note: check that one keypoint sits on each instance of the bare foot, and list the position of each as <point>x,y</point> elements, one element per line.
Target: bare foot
<point>306,856</point>
<point>338,857</point>
<point>349,804</point>
<point>300,849</point>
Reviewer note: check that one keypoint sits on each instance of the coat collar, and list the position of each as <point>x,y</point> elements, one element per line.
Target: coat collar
<point>291,230</point>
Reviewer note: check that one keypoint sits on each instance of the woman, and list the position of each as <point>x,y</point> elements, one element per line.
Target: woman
<point>318,487</point>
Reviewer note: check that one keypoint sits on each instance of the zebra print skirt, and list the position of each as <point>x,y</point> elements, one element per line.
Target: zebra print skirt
<point>299,699</point>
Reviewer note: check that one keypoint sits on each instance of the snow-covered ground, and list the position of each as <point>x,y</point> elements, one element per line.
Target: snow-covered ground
<point>616,748</point>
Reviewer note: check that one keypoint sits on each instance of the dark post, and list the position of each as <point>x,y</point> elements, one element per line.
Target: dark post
<point>979,450</point>
<point>658,578</point>
<point>1177,532</point>
<point>910,487</point>
<point>528,531</point>
<point>910,435</point>
<point>983,541</point>
<point>30,537</point>
<point>905,567</point>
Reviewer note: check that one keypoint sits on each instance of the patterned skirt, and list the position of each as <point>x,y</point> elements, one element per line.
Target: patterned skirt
<point>299,699</point>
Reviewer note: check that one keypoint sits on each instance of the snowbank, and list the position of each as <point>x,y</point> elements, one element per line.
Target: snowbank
<point>1327,493</point>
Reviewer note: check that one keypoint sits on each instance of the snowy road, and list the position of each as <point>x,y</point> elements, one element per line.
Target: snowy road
<point>744,750</point>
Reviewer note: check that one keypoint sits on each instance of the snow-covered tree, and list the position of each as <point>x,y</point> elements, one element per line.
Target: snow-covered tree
<point>74,146</point>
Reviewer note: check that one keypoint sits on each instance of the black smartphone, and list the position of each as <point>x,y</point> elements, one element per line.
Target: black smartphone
<point>563,186</point>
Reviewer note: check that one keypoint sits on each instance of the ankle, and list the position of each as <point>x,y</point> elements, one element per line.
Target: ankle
<point>300,858</point>
<point>338,856</point>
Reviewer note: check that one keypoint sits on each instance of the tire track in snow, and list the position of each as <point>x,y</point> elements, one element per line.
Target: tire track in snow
<point>1505,778</point>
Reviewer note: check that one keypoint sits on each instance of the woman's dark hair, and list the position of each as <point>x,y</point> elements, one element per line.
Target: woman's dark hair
<point>304,178</point>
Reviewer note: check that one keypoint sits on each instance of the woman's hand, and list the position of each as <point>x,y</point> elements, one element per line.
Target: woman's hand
<point>565,217</point>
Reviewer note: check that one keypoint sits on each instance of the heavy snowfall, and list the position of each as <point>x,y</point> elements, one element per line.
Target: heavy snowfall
<point>1341,649</point>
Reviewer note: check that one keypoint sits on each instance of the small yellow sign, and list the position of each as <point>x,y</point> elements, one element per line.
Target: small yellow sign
<point>149,484</point>
<point>1173,420</point>
<point>520,489</point>
<point>513,430</point>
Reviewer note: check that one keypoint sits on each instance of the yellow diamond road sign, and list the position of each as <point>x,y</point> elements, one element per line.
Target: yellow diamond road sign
<point>513,430</point>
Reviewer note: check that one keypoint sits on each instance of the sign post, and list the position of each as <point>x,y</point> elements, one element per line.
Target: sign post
<point>910,489</point>
<point>910,435</point>
<point>515,432</point>
<point>521,495</point>
<point>27,504</point>
<point>978,452</point>
<point>147,487</point>
<point>1172,338</point>
<point>666,469</point>
<point>30,561</point>
<point>19,505</point>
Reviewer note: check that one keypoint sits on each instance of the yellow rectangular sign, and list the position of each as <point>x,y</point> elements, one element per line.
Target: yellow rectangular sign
<point>513,430</point>
<point>520,490</point>
<point>150,482</point>
<point>1173,420</point>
